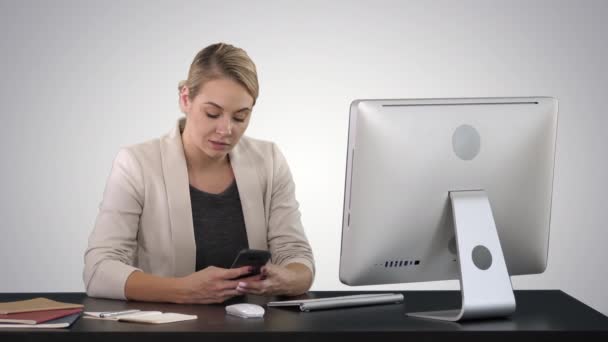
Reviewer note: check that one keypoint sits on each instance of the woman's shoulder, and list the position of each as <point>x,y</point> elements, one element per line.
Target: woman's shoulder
<point>149,147</point>
<point>144,152</point>
<point>263,150</point>
<point>153,148</point>
<point>253,145</point>
<point>263,153</point>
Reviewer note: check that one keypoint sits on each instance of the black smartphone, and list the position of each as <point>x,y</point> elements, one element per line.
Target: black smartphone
<point>251,257</point>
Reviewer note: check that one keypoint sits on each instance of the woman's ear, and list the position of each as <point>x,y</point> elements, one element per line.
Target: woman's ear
<point>184,100</point>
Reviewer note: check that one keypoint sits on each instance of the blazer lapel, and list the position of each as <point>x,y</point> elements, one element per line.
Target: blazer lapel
<point>251,194</point>
<point>175,174</point>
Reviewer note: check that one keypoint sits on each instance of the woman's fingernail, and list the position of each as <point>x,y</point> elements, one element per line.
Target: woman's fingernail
<point>242,284</point>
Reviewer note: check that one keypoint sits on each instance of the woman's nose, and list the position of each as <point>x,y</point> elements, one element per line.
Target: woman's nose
<point>224,126</point>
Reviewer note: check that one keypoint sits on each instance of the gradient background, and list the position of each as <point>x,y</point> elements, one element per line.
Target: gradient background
<point>80,79</point>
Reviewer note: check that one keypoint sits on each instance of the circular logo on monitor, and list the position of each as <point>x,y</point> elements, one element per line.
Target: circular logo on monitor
<point>466,142</point>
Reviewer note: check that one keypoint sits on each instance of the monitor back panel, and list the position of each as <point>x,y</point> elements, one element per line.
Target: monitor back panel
<point>404,156</point>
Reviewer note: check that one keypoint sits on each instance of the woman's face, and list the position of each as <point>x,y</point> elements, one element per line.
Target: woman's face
<point>217,117</point>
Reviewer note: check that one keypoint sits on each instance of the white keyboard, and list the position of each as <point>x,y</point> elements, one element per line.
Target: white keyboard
<point>341,301</point>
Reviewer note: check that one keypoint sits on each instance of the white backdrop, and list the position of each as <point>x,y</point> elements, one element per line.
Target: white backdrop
<point>80,79</point>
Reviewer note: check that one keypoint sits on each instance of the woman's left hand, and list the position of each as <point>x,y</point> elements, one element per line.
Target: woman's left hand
<point>291,280</point>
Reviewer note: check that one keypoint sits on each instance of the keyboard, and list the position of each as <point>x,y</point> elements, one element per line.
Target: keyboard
<point>341,301</point>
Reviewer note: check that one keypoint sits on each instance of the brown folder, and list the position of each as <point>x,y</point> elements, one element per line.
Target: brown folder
<point>36,317</point>
<point>36,304</point>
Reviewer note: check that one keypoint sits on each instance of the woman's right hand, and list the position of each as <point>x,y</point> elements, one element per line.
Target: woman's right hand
<point>210,285</point>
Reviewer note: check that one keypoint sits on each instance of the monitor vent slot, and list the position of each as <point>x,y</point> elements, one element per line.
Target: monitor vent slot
<point>458,104</point>
<point>398,263</point>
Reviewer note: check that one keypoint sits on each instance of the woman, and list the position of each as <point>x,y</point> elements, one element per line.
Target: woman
<point>176,210</point>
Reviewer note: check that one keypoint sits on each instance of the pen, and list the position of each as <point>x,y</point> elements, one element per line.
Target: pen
<point>116,313</point>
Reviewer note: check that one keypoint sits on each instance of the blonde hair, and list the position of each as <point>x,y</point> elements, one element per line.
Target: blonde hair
<point>221,60</point>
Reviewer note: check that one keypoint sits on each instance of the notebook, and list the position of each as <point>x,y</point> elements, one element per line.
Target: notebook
<point>36,317</point>
<point>36,304</point>
<point>63,322</point>
<point>149,317</point>
<point>341,301</point>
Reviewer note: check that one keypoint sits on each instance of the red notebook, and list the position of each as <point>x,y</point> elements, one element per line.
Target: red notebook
<point>36,317</point>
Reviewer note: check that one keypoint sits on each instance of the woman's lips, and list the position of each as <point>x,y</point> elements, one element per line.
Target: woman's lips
<point>217,145</point>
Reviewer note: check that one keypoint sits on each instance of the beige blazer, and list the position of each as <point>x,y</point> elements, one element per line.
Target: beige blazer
<point>145,218</point>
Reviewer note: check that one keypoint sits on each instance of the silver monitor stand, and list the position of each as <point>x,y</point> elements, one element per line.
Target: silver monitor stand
<point>485,284</point>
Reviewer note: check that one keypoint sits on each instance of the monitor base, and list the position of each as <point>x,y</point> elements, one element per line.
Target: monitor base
<point>485,284</point>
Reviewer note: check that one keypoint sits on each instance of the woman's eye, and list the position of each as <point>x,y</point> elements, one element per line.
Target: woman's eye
<point>239,120</point>
<point>213,116</point>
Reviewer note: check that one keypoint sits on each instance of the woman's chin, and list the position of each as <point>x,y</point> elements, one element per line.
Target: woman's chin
<point>215,154</point>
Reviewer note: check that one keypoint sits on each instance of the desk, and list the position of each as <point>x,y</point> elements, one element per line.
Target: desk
<point>541,316</point>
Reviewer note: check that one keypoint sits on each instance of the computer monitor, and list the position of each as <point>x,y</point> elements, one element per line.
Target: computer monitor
<point>440,189</point>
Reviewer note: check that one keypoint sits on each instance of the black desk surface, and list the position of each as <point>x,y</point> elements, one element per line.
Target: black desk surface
<point>541,315</point>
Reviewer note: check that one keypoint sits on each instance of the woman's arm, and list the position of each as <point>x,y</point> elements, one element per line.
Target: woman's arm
<point>108,259</point>
<point>303,278</point>
<point>290,280</point>
<point>151,288</point>
<point>292,269</point>
<point>287,240</point>
<point>210,285</point>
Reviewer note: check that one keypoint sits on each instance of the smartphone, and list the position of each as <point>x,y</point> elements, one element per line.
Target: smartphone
<point>251,257</point>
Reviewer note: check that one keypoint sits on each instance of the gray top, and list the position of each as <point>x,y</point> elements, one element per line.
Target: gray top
<point>219,227</point>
